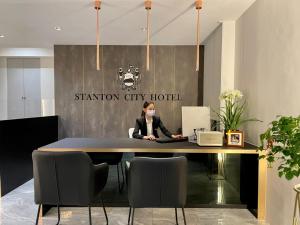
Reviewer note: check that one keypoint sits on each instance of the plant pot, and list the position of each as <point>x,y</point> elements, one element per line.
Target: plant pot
<point>225,137</point>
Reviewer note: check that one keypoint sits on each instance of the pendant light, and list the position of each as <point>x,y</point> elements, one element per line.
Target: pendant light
<point>97,8</point>
<point>198,5</point>
<point>148,5</point>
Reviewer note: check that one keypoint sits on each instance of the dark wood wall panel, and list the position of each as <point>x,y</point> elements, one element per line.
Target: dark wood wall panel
<point>68,63</point>
<point>164,75</point>
<point>186,79</point>
<point>201,76</point>
<point>93,82</point>
<point>172,70</point>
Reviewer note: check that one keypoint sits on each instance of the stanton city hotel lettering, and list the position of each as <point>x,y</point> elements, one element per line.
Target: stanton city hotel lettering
<point>128,79</point>
<point>126,97</point>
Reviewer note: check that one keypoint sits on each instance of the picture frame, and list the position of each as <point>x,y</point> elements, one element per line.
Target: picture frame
<point>235,139</point>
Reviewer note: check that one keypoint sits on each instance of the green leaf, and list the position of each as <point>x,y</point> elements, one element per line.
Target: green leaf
<point>280,173</point>
<point>282,139</point>
<point>289,175</point>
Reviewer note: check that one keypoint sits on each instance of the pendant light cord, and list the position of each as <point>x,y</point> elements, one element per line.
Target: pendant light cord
<point>198,41</point>
<point>148,40</point>
<point>98,41</point>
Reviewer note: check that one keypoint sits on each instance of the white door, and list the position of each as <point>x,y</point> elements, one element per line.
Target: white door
<point>15,89</point>
<point>23,88</point>
<point>32,87</point>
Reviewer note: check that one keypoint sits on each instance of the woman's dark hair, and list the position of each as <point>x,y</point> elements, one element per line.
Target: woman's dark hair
<point>146,104</point>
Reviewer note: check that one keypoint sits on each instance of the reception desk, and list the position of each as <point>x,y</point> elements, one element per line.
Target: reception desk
<point>105,145</point>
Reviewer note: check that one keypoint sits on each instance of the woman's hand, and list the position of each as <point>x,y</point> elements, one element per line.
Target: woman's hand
<point>177,136</point>
<point>150,137</point>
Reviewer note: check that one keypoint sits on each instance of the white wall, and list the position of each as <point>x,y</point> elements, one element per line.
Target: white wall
<point>3,89</point>
<point>228,55</point>
<point>219,64</point>
<point>268,72</point>
<point>212,70</point>
<point>47,86</point>
<point>27,52</point>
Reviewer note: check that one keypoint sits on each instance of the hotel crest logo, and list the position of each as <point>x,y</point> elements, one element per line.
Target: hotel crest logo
<point>130,78</point>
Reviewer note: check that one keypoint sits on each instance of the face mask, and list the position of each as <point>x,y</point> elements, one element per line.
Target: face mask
<point>150,113</point>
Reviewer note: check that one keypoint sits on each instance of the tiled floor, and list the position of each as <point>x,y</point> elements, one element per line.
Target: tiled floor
<point>18,208</point>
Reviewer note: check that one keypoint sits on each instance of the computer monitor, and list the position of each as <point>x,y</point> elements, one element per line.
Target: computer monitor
<point>195,117</point>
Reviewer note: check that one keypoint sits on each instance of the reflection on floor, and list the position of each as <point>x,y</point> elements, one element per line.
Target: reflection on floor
<point>18,208</point>
<point>210,192</point>
<point>202,191</point>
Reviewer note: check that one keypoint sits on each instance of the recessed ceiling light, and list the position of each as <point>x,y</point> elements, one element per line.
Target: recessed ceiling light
<point>57,28</point>
<point>2,36</point>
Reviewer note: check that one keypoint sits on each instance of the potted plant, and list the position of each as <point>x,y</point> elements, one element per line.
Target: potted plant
<point>281,142</point>
<point>231,116</point>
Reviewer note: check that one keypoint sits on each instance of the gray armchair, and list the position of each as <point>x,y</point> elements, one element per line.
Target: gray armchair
<point>112,159</point>
<point>67,179</point>
<point>157,182</point>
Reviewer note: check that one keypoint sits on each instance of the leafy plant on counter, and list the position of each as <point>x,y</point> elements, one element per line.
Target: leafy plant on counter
<point>231,115</point>
<point>281,142</point>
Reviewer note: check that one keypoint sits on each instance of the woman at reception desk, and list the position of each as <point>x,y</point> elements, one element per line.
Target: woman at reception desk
<point>146,126</point>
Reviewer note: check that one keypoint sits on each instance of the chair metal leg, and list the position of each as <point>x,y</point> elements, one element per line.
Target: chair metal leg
<point>119,183</point>
<point>58,214</point>
<point>104,210</point>
<point>90,215</point>
<point>38,215</point>
<point>176,216</point>
<point>129,215</point>
<point>123,175</point>
<point>183,213</point>
<point>132,218</point>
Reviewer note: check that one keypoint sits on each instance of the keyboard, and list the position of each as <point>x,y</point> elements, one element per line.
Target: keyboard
<point>170,140</point>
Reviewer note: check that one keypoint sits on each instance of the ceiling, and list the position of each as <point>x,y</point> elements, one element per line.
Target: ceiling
<point>30,23</point>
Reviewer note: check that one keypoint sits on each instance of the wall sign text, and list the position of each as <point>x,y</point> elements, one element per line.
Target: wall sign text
<point>127,97</point>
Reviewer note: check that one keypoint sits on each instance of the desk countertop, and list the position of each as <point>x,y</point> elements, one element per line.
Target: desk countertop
<point>136,145</point>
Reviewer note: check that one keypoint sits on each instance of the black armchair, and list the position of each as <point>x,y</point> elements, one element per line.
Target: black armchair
<point>157,182</point>
<point>67,179</point>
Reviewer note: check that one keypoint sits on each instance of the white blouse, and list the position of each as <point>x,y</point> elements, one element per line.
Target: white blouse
<point>149,127</point>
